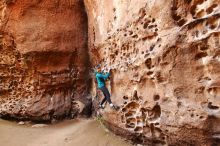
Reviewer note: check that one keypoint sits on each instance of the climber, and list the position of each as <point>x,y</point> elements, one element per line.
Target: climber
<point>101,78</point>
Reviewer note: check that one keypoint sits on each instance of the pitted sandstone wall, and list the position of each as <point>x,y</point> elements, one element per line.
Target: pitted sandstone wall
<point>165,60</point>
<point>43,47</point>
<point>164,55</point>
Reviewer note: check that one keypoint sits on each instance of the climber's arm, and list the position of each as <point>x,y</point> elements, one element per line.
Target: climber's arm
<point>103,76</point>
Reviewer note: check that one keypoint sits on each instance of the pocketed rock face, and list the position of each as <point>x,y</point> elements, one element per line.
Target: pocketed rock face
<point>43,58</point>
<point>165,60</point>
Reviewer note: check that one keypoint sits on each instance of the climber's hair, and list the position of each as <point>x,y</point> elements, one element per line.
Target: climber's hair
<point>98,67</point>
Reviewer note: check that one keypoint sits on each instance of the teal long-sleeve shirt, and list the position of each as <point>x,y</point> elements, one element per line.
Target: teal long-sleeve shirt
<point>100,77</point>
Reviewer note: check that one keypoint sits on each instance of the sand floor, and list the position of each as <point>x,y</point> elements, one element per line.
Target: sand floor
<point>81,132</point>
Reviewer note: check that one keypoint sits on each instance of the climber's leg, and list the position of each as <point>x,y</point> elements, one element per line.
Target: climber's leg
<point>106,94</point>
<point>103,101</point>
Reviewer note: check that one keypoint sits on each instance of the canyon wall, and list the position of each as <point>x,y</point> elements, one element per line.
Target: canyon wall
<point>165,62</point>
<point>43,61</point>
<point>164,56</point>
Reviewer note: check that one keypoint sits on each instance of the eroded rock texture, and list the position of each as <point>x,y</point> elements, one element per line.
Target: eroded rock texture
<point>43,47</point>
<point>165,60</point>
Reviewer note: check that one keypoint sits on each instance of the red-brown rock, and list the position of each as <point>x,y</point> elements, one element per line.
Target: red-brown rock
<point>43,58</point>
<point>165,60</point>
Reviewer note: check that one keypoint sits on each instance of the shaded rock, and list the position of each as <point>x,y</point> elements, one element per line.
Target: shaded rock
<point>43,60</point>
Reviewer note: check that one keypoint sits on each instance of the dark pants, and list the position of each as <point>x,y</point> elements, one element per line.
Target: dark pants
<point>106,94</point>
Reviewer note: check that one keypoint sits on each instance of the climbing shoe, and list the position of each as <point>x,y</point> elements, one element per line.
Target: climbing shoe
<point>114,107</point>
<point>101,106</point>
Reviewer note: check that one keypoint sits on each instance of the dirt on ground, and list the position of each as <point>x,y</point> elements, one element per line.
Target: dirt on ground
<point>80,132</point>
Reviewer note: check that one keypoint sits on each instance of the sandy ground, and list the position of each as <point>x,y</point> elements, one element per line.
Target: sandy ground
<point>81,132</point>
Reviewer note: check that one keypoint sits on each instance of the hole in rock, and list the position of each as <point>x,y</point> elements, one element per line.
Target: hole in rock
<point>153,20</point>
<point>192,10</point>
<point>125,97</point>
<point>150,26</point>
<point>211,8</point>
<point>203,48</point>
<point>158,130</point>
<point>130,32</point>
<point>200,14</point>
<point>116,52</point>
<point>163,138</point>
<point>150,73</point>
<point>131,125</point>
<point>212,23</point>
<point>174,8</point>
<point>145,56</point>
<point>140,97</point>
<point>188,1</point>
<point>135,95</point>
<point>135,36</point>
<point>196,33</point>
<point>179,104</point>
<point>198,2</point>
<point>124,109</point>
<point>139,119</point>
<point>143,109</point>
<point>138,129</point>
<point>205,31</point>
<point>200,55</point>
<point>142,12</point>
<point>130,114</point>
<point>159,39</point>
<point>123,119</point>
<point>132,105</point>
<point>201,117</point>
<point>152,47</point>
<point>146,25</point>
<point>213,107</point>
<point>176,17</point>
<point>131,120</point>
<point>156,97</point>
<point>155,112</point>
<point>213,26</point>
<point>156,124</point>
<point>200,90</point>
<point>181,22</point>
<point>148,63</point>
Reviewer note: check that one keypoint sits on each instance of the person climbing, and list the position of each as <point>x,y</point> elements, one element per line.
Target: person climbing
<point>101,78</point>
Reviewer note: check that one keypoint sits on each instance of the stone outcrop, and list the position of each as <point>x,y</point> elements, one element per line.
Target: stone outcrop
<point>164,56</point>
<point>43,61</point>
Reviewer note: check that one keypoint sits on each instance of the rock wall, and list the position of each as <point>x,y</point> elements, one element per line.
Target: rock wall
<point>164,57</point>
<point>165,60</point>
<point>43,61</point>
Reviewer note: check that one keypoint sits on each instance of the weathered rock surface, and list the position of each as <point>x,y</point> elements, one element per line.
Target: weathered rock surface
<point>164,55</point>
<point>165,60</point>
<point>43,61</point>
